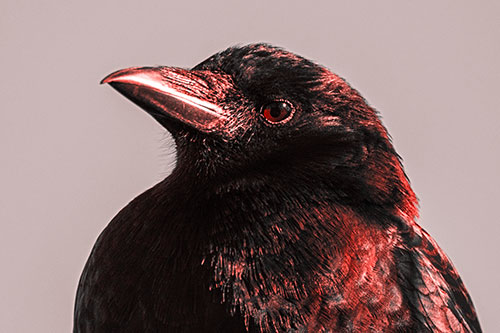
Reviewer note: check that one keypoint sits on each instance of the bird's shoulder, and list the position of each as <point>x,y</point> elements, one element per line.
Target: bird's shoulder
<point>112,288</point>
<point>434,291</point>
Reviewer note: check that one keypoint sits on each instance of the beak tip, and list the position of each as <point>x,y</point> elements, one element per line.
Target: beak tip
<point>111,77</point>
<point>107,79</point>
<point>120,74</point>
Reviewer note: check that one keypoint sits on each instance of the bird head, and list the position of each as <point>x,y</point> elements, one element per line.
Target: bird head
<point>260,111</point>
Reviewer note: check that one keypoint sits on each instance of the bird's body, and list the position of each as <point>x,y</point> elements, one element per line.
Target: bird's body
<point>288,211</point>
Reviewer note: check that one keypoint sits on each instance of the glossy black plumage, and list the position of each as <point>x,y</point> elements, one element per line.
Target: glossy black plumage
<point>301,225</point>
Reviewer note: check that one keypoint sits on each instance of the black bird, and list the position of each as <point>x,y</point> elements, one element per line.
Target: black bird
<point>288,211</point>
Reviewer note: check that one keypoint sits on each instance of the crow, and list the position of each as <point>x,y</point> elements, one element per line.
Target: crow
<point>288,210</point>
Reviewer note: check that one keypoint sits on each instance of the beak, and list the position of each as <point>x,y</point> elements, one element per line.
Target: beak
<point>168,93</point>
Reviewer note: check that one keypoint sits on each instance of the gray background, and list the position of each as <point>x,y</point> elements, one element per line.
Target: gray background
<point>74,153</point>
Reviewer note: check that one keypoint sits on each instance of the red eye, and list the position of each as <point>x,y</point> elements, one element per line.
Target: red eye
<point>276,112</point>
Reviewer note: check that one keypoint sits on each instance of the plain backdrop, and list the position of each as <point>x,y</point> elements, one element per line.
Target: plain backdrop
<point>73,153</point>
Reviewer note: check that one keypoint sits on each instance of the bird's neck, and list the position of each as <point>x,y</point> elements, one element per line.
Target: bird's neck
<point>278,246</point>
<point>270,246</point>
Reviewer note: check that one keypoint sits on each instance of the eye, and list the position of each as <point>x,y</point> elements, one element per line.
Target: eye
<point>277,111</point>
